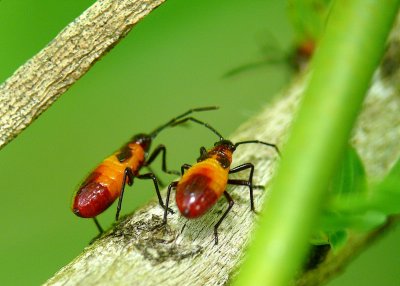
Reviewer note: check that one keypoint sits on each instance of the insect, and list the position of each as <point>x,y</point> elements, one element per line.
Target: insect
<point>107,182</point>
<point>205,182</point>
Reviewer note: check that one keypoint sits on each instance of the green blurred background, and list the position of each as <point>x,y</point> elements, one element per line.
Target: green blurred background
<point>173,60</point>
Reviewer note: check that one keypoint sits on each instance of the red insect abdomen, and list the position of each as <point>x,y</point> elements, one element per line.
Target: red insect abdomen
<point>98,192</point>
<point>103,186</point>
<point>200,188</point>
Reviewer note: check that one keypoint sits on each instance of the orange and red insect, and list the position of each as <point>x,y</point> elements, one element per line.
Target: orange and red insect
<point>205,182</point>
<point>107,182</point>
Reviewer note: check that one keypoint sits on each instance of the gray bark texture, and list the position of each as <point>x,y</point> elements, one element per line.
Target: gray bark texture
<point>139,251</point>
<point>42,79</point>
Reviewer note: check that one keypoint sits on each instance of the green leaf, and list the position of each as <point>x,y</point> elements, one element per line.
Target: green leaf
<point>385,196</point>
<point>335,239</point>
<point>331,222</point>
<point>338,239</point>
<point>351,207</point>
<point>308,18</point>
<point>350,177</point>
<point>319,238</point>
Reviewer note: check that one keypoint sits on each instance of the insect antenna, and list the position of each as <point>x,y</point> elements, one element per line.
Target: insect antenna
<point>259,142</point>
<point>201,123</point>
<point>174,121</point>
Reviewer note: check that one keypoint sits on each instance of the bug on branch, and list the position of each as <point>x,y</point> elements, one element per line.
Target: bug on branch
<point>205,182</point>
<point>107,181</point>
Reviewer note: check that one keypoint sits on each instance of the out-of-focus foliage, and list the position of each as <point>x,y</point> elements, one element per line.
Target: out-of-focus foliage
<point>355,204</point>
<point>308,18</point>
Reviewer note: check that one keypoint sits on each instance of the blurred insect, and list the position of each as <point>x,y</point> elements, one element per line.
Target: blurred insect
<point>205,182</point>
<point>301,55</point>
<point>107,182</point>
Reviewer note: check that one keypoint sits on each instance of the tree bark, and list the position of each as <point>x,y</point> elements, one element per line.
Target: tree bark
<point>42,79</point>
<point>139,251</point>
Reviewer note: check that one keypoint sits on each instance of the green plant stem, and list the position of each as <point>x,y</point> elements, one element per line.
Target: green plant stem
<point>347,57</point>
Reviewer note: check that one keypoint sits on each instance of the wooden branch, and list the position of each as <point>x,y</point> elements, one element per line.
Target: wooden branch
<point>139,251</point>
<point>42,79</point>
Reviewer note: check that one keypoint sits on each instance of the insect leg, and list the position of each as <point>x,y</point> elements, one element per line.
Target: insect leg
<point>203,152</point>
<point>152,177</point>
<point>172,185</point>
<point>160,183</point>
<point>231,202</point>
<point>96,222</point>
<point>128,175</point>
<point>185,167</point>
<point>248,183</point>
<point>156,152</point>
